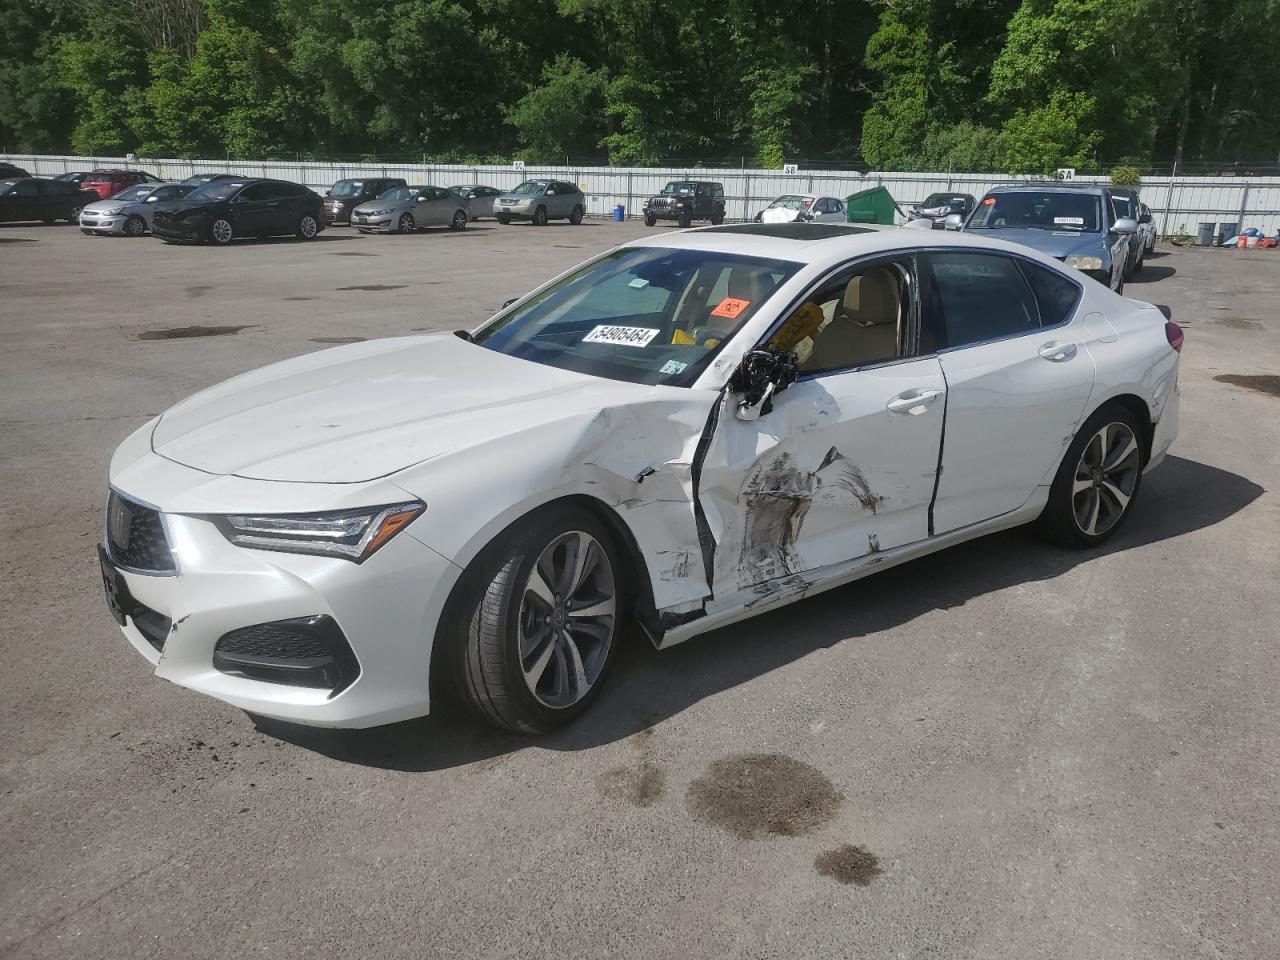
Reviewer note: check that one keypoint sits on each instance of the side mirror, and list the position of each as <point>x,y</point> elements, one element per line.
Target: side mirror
<point>953,222</point>
<point>1125,225</point>
<point>152,199</point>
<point>763,373</point>
<point>422,200</point>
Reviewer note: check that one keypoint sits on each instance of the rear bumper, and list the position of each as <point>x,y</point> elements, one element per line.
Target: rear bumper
<point>1166,429</point>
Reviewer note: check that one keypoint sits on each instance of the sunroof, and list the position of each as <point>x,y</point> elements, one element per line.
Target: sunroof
<point>791,231</point>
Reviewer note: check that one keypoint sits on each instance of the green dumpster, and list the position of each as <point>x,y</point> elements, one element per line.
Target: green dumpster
<point>875,205</point>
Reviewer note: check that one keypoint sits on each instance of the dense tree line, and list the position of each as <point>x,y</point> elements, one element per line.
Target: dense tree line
<point>1020,85</point>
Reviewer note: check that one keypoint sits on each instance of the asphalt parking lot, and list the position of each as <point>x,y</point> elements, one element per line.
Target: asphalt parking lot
<point>1003,750</point>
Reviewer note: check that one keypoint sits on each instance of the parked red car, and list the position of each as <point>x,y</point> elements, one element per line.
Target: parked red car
<point>107,183</point>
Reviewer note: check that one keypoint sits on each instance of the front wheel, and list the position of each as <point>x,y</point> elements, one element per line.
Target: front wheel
<point>504,220</point>
<point>576,217</point>
<point>459,220</point>
<point>649,221</point>
<point>540,217</point>
<point>1097,481</point>
<point>539,621</point>
<point>685,221</point>
<point>220,232</point>
<point>405,224</point>
<point>135,226</point>
<point>307,227</point>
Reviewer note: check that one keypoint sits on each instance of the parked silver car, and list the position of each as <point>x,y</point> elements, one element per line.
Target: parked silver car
<point>540,201</point>
<point>129,212</point>
<point>405,209</point>
<point>480,198</point>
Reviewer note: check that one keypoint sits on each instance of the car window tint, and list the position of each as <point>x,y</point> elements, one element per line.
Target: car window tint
<point>25,188</point>
<point>1056,295</point>
<point>255,191</point>
<point>981,297</point>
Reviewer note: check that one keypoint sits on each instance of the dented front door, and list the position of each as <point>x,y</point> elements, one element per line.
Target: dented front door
<point>843,466</point>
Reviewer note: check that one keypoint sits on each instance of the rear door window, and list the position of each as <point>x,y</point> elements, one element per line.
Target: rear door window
<point>980,297</point>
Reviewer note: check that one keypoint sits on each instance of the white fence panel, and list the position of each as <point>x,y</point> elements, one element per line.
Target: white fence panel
<point>1179,204</point>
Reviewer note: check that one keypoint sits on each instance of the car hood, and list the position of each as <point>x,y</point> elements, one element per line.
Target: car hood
<point>370,205</point>
<point>779,215</point>
<point>178,207</point>
<point>367,410</point>
<point>1060,244</point>
<point>99,206</point>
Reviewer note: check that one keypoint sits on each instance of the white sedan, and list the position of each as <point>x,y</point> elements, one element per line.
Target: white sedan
<point>683,432</point>
<point>794,207</point>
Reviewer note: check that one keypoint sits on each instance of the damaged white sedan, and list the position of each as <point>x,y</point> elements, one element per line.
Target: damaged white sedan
<point>681,433</point>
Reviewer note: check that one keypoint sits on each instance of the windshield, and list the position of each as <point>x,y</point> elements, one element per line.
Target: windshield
<point>534,187</point>
<point>679,188</point>
<point>216,190</point>
<point>792,202</point>
<point>135,193</point>
<point>647,315</point>
<point>943,200</point>
<point>346,188</point>
<point>398,193</point>
<point>1057,210</point>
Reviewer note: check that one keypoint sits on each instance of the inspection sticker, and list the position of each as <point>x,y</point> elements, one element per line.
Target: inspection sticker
<point>730,307</point>
<point>673,366</point>
<point>1074,221</point>
<point>624,336</point>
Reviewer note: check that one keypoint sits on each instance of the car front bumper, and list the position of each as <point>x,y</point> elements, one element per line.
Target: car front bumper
<point>178,230</point>
<point>515,211</point>
<point>383,223</point>
<point>102,224</point>
<point>386,608</point>
<point>336,213</point>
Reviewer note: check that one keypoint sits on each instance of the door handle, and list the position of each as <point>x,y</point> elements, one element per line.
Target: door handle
<point>1057,351</point>
<point>914,402</point>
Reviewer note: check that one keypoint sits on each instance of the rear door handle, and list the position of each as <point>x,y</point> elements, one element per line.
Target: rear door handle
<point>914,402</point>
<point>1057,351</point>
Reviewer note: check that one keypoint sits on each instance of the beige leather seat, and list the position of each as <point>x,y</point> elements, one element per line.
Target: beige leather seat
<point>864,327</point>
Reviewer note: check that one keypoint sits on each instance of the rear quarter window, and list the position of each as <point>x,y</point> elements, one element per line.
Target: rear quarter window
<point>1056,296</point>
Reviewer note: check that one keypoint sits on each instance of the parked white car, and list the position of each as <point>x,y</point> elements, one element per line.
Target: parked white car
<point>128,213</point>
<point>685,431</point>
<point>793,207</point>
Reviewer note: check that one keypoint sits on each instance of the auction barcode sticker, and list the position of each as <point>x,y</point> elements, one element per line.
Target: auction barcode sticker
<point>624,336</point>
<point>1074,221</point>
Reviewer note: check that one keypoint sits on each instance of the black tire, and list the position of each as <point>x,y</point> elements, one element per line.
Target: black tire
<point>540,217</point>
<point>135,226</point>
<point>685,221</point>
<point>406,223</point>
<point>483,656</point>
<point>504,220</point>
<point>576,217</point>
<point>717,218</point>
<point>308,227</point>
<point>649,221</point>
<point>460,220</point>
<point>221,232</point>
<point>1061,520</point>
<point>73,215</point>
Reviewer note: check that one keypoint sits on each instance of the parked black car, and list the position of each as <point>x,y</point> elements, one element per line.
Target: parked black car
<point>200,179</point>
<point>345,195</point>
<point>225,209</point>
<point>938,206</point>
<point>75,178</point>
<point>10,172</point>
<point>686,201</point>
<point>35,198</point>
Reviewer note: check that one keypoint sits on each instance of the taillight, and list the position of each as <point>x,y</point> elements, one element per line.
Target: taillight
<point>1173,333</point>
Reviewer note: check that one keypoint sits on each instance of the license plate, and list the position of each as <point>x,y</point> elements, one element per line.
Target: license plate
<point>118,598</point>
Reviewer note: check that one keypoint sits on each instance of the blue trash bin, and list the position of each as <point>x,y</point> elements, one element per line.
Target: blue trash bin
<point>619,213</point>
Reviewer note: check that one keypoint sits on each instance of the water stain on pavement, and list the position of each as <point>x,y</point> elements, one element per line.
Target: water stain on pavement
<point>641,783</point>
<point>1268,383</point>
<point>338,339</point>
<point>755,795</point>
<point>374,286</point>
<point>198,291</point>
<point>849,864</point>
<point>188,333</point>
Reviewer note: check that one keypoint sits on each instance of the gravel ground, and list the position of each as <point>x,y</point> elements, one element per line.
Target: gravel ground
<point>1003,750</point>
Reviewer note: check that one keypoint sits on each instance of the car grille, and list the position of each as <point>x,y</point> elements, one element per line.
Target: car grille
<point>136,538</point>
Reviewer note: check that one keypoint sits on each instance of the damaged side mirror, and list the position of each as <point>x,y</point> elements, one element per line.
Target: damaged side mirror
<point>763,373</point>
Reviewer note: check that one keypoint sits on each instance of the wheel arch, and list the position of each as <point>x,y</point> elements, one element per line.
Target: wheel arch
<point>1141,411</point>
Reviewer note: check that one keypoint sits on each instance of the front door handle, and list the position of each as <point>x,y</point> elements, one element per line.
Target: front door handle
<point>1057,351</point>
<point>914,402</point>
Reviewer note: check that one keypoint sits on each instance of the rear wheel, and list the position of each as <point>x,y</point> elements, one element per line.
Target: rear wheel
<point>717,218</point>
<point>538,621</point>
<point>307,227</point>
<point>220,232</point>
<point>540,217</point>
<point>576,217</point>
<point>73,215</point>
<point>135,226</point>
<point>1097,481</point>
<point>459,220</point>
<point>405,223</point>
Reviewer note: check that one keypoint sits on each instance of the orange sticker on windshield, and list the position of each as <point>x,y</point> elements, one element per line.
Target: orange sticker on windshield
<point>730,307</point>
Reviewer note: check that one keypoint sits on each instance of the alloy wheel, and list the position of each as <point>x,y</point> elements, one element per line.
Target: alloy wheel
<point>406,223</point>
<point>135,226</point>
<point>567,619</point>
<point>307,227</point>
<point>75,214</point>
<point>221,231</point>
<point>459,220</point>
<point>1105,478</point>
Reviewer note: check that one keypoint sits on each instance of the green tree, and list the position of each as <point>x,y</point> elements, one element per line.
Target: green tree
<point>560,117</point>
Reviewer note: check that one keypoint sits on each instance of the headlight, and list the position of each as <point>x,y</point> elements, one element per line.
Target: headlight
<point>1085,263</point>
<point>349,534</point>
